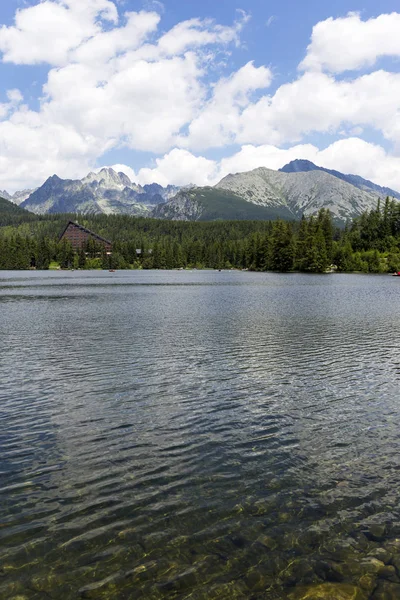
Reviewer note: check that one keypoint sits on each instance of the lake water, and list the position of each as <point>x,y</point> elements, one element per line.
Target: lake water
<point>199,435</point>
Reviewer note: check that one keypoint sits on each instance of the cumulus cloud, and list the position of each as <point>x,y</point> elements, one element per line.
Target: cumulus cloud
<point>197,33</point>
<point>14,98</point>
<point>317,102</point>
<point>117,80</point>
<point>48,31</point>
<point>349,43</point>
<point>219,121</point>
<point>180,167</point>
<point>109,84</point>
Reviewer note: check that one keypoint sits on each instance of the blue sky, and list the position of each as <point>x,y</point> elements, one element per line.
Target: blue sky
<point>187,91</point>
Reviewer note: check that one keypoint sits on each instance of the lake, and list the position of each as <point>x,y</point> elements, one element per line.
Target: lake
<point>175,434</point>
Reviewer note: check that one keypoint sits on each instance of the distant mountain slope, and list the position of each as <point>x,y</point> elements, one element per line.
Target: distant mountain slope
<point>211,204</point>
<point>11,214</point>
<point>304,166</point>
<point>106,192</point>
<point>300,193</point>
<point>18,197</point>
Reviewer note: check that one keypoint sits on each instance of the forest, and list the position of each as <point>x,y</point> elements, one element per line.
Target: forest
<point>368,244</point>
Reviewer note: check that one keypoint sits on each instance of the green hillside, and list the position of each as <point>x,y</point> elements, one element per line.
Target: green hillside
<point>224,205</point>
<point>11,214</point>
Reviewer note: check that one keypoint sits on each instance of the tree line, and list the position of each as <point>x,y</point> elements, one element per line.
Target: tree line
<point>370,243</point>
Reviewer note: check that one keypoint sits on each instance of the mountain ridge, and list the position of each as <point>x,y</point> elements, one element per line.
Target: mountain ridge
<point>106,192</point>
<point>302,166</point>
<point>300,187</point>
<point>302,193</point>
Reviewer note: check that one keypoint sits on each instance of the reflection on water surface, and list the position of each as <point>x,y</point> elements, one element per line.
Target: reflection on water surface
<point>199,435</point>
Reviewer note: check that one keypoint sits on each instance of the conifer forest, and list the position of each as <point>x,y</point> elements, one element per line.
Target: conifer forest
<point>315,244</point>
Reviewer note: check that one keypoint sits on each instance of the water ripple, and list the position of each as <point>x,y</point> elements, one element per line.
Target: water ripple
<point>193,435</point>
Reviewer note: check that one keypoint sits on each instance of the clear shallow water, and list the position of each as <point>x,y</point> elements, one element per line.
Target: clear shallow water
<point>198,435</point>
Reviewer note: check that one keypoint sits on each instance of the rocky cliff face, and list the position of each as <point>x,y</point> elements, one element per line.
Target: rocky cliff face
<point>184,206</point>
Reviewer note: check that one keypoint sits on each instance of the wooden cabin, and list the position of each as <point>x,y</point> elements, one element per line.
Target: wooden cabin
<point>78,236</point>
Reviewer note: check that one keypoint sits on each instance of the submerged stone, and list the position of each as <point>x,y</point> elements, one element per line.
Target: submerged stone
<point>95,590</point>
<point>267,541</point>
<point>329,571</point>
<point>381,554</point>
<point>387,591</point>
<point>329,591</point>
<point>376,532</point>
<point>375,566</point>
<point>367,583</point>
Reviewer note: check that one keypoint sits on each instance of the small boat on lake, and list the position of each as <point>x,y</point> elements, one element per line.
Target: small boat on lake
<point>396,274</point>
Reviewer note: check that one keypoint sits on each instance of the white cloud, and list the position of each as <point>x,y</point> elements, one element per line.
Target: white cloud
<point>14,98</point>
<point>180,167</point>
<point>219,121</point>
<point>116,80</point>
<point>48,31</point>
<point>197,33</point>
<point>30,152</point>
<point>316,102</point>
<point>110,85</point>
<point>107,44</point>
<point>349,43</point>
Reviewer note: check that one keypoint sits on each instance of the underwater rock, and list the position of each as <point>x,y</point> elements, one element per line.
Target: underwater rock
<point>329,591</point>
<point>393,545</point>
<point>367,583</point>
<point>387,591</point>
<point>46,583</point>
<point>300,571</point>
<point>395,561</point>
<point>146,571</point>
<point>381,554</point>
<point>236,589</point>
<point>375,566</point>
<point>284,517</point>
<point>329,571</point>
<point>376,532</point>
<point>97,589</point>
<point>181,582</point>
<point>267,541</point>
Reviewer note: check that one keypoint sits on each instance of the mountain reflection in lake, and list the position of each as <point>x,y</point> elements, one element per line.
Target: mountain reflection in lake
<point>199,435</point>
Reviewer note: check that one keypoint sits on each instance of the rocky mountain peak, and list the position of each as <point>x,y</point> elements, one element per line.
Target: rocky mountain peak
<point>300,165</point>
<point>109,178</point>
<point>305,166</point>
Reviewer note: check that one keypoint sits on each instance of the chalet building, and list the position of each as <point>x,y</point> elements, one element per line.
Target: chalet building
<point>78,236</point>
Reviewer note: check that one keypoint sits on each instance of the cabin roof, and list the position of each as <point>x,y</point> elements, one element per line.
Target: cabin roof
<point>95,235</point>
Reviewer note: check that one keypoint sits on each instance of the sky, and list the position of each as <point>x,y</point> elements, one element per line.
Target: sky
<point>187,91</point>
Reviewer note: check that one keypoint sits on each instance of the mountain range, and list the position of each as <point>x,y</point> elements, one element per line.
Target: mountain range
<point>106,192</point>
<point>300,187</point>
